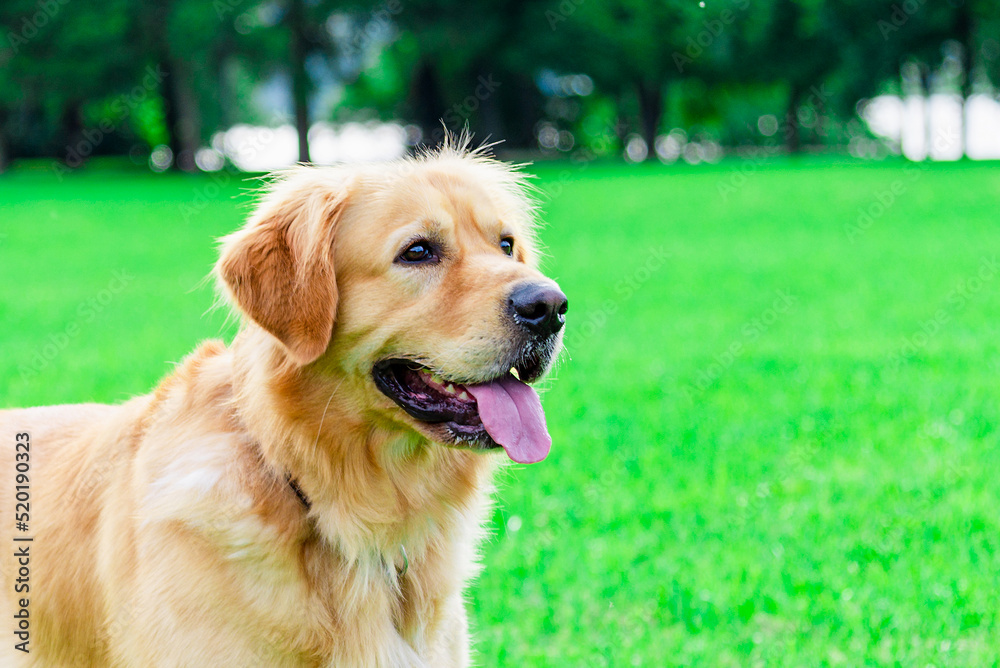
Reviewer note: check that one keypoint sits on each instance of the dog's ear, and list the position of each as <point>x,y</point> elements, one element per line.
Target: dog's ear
<point>279,270</point>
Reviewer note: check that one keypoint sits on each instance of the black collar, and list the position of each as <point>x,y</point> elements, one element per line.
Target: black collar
<point>400,571</point>
<point>298,492</point>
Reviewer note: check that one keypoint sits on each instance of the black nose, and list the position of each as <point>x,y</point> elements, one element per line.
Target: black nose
<point>539,308</point>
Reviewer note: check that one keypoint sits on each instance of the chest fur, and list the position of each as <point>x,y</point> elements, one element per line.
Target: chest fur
<point>298,592</point>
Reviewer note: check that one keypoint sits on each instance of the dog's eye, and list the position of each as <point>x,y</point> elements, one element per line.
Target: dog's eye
<point>507,246</point>
<point>418,252</point>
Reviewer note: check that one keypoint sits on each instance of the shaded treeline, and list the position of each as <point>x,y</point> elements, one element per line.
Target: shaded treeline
<point>86,77</point>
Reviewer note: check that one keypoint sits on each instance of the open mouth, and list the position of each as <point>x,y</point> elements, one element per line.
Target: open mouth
<point>503,412</point>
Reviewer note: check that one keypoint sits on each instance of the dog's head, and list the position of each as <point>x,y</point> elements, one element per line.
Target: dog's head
<point>413,286</point>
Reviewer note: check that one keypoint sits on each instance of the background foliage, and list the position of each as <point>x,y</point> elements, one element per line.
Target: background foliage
<point>592,72</point>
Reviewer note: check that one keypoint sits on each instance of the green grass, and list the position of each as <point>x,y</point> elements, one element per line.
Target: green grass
<point>777,447</point>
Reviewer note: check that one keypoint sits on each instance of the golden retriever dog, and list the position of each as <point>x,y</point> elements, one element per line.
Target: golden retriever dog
<point>313,494</point>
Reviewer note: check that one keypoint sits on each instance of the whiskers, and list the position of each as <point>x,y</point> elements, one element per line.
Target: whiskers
<point>322,418</point>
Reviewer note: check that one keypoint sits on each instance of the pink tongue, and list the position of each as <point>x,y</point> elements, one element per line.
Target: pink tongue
<point>513,417</point>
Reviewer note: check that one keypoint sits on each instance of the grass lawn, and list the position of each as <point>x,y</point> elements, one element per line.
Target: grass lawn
<point>775,432</point>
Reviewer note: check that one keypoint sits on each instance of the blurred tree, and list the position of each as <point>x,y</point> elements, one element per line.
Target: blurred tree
<point>82,76</point>
<point>976,27</point>
<point>637,48</point>
<point>296,22</point>
<point>195,46</point>
<point>171,57</point>
<point>799,48</point>
<point>301,38</point>
<point>467,67</point>
<point>56,57</point>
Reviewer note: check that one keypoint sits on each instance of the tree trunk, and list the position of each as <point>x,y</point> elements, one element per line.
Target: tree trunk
<point>650,114</point>
<point>4,150</point>
<point>427,103</point>
<point>622,121</point>
<point>171,106</point>
<point>182,115</point>
<point>300,78</point>
<point>965,33</point>
<point>76,149</point>
<point>526,111</point>
<point>223,82</point>
<point>793,129</point>
<point>925,84</point>
<point>489,125</point>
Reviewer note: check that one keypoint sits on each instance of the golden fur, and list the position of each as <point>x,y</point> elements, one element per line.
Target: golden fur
<point>165,533</point>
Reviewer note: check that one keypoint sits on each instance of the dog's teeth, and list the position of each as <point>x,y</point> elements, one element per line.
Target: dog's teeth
<point>449,388</point>
<point>464,396</point>
<point>514,373</point>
